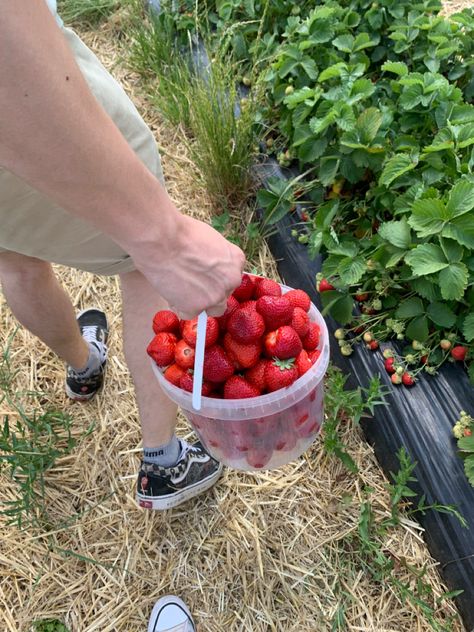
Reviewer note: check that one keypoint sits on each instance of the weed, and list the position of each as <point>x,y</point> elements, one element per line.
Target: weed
<point>90,11</point>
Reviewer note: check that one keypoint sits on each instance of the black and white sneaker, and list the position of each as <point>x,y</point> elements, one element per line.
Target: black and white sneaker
<point>170,614</point>
<point>94,329</point>
<point>167,487</point>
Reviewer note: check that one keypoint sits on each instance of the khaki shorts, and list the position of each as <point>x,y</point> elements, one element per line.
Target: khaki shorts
<point>31,224</point>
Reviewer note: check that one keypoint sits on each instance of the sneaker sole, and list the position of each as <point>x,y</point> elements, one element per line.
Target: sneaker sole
<point>159,503</point>
<point>160,604</point>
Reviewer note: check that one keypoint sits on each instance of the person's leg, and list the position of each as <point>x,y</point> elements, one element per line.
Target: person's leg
<point>40,304</point>
<point>157,411</point>
<point>162,483</point>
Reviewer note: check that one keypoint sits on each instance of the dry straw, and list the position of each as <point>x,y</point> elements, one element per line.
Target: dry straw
<point>259,552</point>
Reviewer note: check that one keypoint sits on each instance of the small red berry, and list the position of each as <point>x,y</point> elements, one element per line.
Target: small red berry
<point>373,345</point>
<point>459,353</point>
<point>407,379</point>
<point>467,432</point>
<point>324,286</point>
<point>388,364</point>
<point>361,297</point>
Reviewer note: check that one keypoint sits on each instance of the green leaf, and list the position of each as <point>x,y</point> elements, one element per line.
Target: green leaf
<point>428,217</point>
<point>426,259</point>
<point>425,288</point>
<point>418,329</point>
<point>318,125</point>
<point>411,97</point>
<point>331,71</point>
<point>461,229</point>
<point>368,124</point>
<point>397,233</point>
<point>363,41</point>
<point>462,114</point>
<point>441,314</point>
<point>397,67</point>
<point>452,250</point>
<point>312,149</point>
<point>351,270</point>
<point>465,137</point>
<point>453,281</point>
<point>395,167</point>
<point>461,198</point>
<point>411,307</point>
<point>344,43</point>
<point>468,327</point>
<point>339,305</point>
<point>466,444</point>
<point>328,170</point>
<point>470,372</point>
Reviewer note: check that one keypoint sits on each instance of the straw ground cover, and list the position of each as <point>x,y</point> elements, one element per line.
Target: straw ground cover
<point>270,551</point>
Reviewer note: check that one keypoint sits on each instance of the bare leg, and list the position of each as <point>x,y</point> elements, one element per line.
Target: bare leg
<point>40,304</point>
<point>157,411</point>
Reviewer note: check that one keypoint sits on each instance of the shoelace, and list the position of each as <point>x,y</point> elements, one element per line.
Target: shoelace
<point>89,333</point>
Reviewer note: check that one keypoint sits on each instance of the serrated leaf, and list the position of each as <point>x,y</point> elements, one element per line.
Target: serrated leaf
<point>344,43</point>
<point>411,97</point>
<point>417,329</point>
<point>468,327</point>
<point>425,288</point>
<point>363,40</point>
<point>318,125</point>
<point>331,71</point>
<point>461,198</point>
<point>351,270</point>
<point>397,67</point>
<point>428,217</point>
<point>395,167</point>
<point>299,96</point>
<point>453,281</point>
<point>465,136</point>
<point>328,170</point>
<point>339,305</point>
<point>426,259</point>
<point>452,250</point>
<point>462,114</point>
<point>411,307</point>
<point>441,314</point>
<point>397,233</point>
<point>461,229</point>
<point>312,149</point>
<point>368,124</point>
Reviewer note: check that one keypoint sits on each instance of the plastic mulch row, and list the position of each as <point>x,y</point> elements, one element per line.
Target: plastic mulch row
<point>420,419</point>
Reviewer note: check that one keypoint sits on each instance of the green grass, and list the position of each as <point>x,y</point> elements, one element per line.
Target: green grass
<point>49,625</point>
<point>90,11</point>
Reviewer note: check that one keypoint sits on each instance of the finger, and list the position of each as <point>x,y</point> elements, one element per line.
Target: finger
<point>217,310</point>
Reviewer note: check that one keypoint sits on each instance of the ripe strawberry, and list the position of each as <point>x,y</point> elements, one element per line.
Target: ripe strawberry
<point>283,343</point>
<point>279,374</point>
<point>361,297</point>
<point>303,362</point>
<point>190,331</point>
<point>388,364</point>
<point>324,286</point>
<point>173,374</point>
<point>299,298</point>
<point>184,355</point>
<point>256,374</point>
<point>246,326</point>
<point>258,457</point>
<point>162,348</point>
<point>276,310</point>
<point>186,383</point>
<point>373,345</point>
<point>407,379</point>
<point>300,322</point>
<point>396,379</point>
<point>165,320</point>
<point>459,353</point>
<point>266,287</point>
<point>314,355</point>
<point>245,289</point>
<point>217,365</point>
<point>237,387</point>
<point>251,305</point>
<point>232,305</point>
<point>243,356</point>
<point>311,340</point>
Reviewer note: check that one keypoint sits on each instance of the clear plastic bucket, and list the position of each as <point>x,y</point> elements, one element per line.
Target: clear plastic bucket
<point>263,432</point>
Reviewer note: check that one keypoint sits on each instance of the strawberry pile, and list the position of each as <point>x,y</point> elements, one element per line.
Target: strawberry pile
<point>263,342</point>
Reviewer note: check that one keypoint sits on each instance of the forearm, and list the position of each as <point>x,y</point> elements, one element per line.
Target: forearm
<point>56,136</point>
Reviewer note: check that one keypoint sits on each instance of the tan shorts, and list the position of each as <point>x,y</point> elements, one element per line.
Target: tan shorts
<point>31,224</point>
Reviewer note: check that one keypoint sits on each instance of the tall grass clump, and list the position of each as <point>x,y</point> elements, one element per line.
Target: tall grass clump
<point>90,11</point>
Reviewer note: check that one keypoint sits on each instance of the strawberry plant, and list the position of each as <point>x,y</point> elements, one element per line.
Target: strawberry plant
<point>463,431</point>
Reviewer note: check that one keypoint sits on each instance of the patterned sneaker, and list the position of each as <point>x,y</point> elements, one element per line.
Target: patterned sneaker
<point>167,487</point>
<point>170,614</point>
<point>94,329</point>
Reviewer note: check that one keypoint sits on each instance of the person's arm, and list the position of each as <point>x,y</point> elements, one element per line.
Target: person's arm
<point>56,136</point>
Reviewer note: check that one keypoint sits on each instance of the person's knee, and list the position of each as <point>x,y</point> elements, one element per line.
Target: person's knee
<point>23,271</point>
